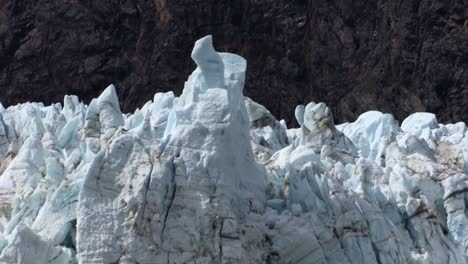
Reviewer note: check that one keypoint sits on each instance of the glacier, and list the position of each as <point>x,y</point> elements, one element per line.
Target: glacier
<point>212,177</point>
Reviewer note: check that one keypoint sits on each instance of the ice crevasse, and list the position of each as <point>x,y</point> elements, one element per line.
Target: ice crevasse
<point>212,177</point>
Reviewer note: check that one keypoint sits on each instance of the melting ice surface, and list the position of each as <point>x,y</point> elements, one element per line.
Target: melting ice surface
<point>213,177</point>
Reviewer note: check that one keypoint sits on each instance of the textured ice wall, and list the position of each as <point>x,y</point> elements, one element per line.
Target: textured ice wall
<point>213,177</point>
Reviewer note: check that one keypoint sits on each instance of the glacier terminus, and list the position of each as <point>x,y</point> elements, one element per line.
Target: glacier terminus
<point>212,177</point>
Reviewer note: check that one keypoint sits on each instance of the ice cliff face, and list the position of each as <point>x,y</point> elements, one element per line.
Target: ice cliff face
<point>213,177</point>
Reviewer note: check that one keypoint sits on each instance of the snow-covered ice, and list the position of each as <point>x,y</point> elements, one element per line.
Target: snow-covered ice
<point>212,177</point>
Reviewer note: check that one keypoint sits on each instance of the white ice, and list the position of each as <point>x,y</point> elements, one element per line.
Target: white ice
<point>212,177</point>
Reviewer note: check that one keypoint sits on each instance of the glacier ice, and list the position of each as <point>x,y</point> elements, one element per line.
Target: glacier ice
<point>212,177</point>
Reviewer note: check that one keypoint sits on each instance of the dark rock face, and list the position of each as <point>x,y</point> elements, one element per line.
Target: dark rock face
<point>395,56</point>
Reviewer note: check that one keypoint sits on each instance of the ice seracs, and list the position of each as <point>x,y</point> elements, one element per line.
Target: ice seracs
<point>212,177</point>
<point>110,116</point>
<point>175,191</point>
<point>416,122</point>
<point>267,134</point>
<point>24,246</point>
<point>370,132</point>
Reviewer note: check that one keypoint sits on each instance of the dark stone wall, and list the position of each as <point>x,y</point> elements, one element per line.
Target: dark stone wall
<point>395,56</point>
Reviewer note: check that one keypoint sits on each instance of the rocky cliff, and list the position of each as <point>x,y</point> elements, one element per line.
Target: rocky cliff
<point>396,56</point>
